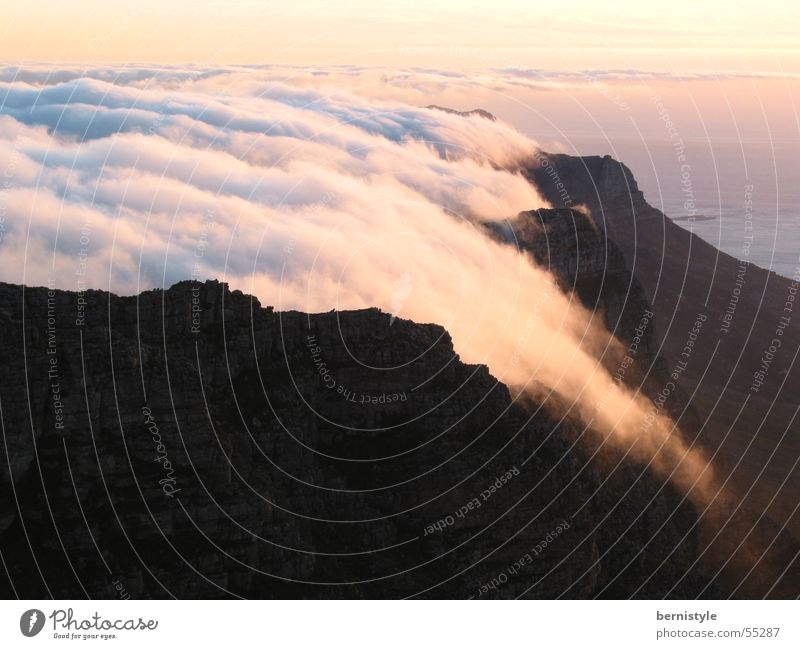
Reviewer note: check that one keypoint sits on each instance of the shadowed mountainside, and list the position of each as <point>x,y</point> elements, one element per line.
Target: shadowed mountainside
<point>741,377</point>
<point>189,442</point>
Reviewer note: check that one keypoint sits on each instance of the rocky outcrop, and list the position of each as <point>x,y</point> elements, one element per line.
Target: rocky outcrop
<point>739,371</point>
<point>586,263</point>
<point>193,443</point>
<point>478,112</point>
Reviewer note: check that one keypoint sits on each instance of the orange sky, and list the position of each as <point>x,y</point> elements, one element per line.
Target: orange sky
<point>568,35</point>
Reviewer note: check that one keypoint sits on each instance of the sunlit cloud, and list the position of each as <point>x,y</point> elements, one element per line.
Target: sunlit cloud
<point>311,196</point>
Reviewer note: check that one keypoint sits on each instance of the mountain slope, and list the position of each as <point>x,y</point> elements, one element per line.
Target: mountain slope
<point>189,442</point>
<point>742,375</point>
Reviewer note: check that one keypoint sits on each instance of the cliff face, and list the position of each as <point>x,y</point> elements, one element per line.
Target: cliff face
<point>734,330</point>
<point>586,263</point>
<point>590,266</point>
<point>743,384</point>
<point>189,442</point>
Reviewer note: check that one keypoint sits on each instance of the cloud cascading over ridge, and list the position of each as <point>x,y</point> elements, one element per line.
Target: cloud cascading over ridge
<point>312,197</point>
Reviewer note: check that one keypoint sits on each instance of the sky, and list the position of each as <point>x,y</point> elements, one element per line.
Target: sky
<point>576,34</point>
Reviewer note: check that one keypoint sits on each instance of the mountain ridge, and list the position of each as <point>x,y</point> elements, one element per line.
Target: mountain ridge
<point>250,423</point>
<point>683,276</point>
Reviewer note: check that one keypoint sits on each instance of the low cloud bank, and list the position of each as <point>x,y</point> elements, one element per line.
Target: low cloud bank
<point>312,196</point>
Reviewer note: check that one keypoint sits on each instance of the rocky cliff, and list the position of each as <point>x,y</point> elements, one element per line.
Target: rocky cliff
<point>736,360</point>
<point>193,443</point>
<point>739,382</point>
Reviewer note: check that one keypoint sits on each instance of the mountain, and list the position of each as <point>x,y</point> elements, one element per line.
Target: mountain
<point>749,550</point>
<point>191,442</point>
<point>742,377</point>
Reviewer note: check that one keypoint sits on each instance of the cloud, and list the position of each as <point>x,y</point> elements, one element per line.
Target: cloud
<point>312,194</point>
<point>140,161</point>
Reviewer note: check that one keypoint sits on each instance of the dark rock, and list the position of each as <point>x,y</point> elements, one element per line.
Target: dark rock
<point>308,456</point>
<point>749,428</point>
<point>478,112</point>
